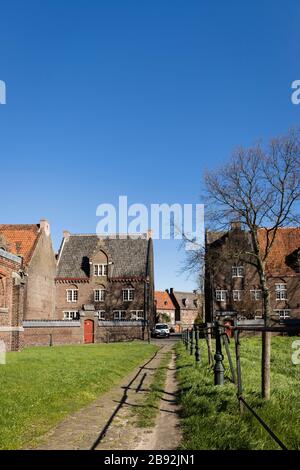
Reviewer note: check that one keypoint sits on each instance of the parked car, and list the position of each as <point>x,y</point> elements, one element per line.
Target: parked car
<point>161,330</point>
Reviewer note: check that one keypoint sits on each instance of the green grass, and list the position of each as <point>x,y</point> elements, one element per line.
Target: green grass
<point>210,414</point>
<point>147,412</point>
<point>40,386</point>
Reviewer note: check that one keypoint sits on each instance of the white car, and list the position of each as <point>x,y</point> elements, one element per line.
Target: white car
<point>161,330</point>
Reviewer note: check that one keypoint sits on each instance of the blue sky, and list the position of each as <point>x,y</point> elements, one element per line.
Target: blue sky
<point>106,98</point>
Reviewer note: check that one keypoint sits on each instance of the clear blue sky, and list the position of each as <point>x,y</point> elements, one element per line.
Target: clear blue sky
<point>111,97</point>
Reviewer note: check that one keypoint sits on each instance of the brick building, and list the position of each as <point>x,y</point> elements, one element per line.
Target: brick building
<point>188,307</point>
<point>32,243</point>
<point>11,299</point>
<point>232,285</point>
<point>105,287</point>
<point>165,308</point>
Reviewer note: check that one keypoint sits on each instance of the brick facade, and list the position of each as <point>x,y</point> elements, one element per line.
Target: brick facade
<point>11,301</point>
<point>229,292</point>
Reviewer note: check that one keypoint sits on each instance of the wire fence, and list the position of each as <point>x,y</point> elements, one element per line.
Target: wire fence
<point>219,334</point>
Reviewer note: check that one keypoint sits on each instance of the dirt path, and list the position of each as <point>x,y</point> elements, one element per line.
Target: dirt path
<point>108,423</point>
<point>166,434</point>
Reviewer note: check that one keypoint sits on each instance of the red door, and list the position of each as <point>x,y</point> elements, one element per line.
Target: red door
<point>88,331</point>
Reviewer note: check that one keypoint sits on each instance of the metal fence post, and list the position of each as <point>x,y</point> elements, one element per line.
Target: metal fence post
<point>218,367</point>
<point>197,351</point>
<point>227,349</point>
<point>191,341</point>
<point>186,339</point>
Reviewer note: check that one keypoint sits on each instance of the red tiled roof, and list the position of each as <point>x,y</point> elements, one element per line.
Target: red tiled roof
<point>163,301</point>
<point>20,239</point>
<point>286,242</point>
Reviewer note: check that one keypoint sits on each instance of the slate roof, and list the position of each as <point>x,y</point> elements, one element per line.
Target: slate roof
<point>163,301</point>
<point>186,300</point>
<point>20,239</point>
<point>129,256</point>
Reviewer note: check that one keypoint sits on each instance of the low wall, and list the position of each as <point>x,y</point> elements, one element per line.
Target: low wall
<point>46,333</point>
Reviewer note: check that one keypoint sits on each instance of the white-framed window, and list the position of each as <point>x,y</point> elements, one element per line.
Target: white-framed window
<point>72,295</point>
<point>128,294</point>
<point>120,315</point>
<point>281,292</point>
<point>70,315</point>
<point>221,295</point>
<point>237,295</point>
<point>283,314</point>
<point>137,314</point>
<point>255,294</point>
<point>99,295</point>
<point>237,271</point>
<point>101,314</point>
<point>100,269</point>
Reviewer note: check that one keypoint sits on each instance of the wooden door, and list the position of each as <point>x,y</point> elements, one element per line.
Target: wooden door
<point>88,331</point>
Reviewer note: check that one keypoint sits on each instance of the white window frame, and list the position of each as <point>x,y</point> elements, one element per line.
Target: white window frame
<point>256,294</point>
<point>99,295</point>
<point>72,298</point>
<point>128,294</point>
<point>221,295</point>
<point>281,291</point>
<point>100,270</point>
<point>283,313</point>
<point>119,315</point>
<point>237,271</point>
<point>238,297</point>
<point>70,314</point>
<point>137,315</point>
<point>101,315</point>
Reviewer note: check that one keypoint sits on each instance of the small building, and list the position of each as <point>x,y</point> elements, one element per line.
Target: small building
<point>165,308</point>
<point>188,307</point>
<point>11,300</point>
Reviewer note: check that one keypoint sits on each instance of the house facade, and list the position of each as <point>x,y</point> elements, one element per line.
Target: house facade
<point>11,300</point>
<point>165,308</point>
<point>232,286</point>
<point>105,286</point>
<point>188,307</point>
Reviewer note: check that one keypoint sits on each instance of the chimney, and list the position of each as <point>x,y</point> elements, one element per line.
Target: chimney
<point>171,290</point>
<point>149,234</point>
<point>66,234</point>
<point>235,225</point>
<point>45,226</point>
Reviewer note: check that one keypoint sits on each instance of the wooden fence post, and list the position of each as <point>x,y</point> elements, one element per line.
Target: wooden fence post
<point>238,368</point>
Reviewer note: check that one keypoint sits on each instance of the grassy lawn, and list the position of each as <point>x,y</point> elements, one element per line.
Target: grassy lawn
<point>147,412</point>
<point>210,414</point>
<point>40,386</point>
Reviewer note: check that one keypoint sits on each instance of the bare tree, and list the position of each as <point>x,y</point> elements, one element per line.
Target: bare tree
<point>259,187</point>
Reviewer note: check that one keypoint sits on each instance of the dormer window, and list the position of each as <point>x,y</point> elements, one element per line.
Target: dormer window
<point>237,271</point>
<point>100,269</point>
<point>128,294</point>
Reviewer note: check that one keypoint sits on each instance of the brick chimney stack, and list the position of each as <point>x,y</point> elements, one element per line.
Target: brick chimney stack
<point>66,234</point>
<point>45,226</point>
